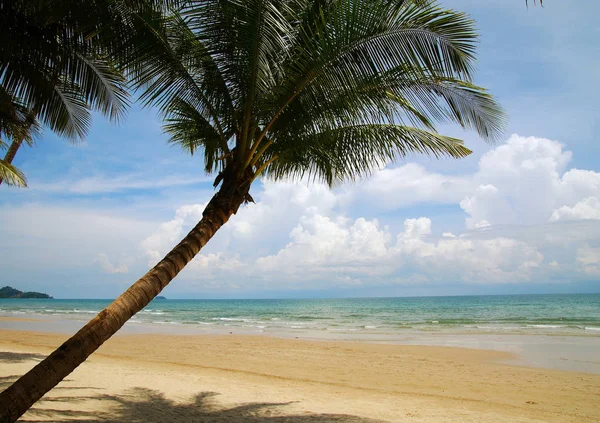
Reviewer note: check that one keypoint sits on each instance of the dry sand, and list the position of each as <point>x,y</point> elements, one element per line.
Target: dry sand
<point>258,379</point>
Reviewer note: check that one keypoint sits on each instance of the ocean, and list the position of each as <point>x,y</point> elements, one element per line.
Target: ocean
<point>576,314</point>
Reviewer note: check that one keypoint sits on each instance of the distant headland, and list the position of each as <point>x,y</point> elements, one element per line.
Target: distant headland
<point>10,292</point>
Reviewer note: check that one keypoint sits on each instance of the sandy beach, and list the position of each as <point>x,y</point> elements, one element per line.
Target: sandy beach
<point>236,378</point>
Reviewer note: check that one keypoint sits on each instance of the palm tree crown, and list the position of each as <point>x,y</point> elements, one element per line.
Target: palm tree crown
<point>53,71</point>
<point>330,89</point>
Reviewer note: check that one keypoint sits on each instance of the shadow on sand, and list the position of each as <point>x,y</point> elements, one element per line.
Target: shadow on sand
<point>6,381</point>
<point>12,357</point>
<point>148,406</point>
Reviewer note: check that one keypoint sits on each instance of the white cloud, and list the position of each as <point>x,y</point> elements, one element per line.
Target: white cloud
<point>588,260</point>
<point>254,228</point>
<point>101,184</point>
<point>524,182</point>
<point>517,205</point>
<point>407,185</point>
<point>108,267</point>
<point>416,228</point>
<point>347,280</point>
<point>491,260</point>
<point>528,220</point>
<point>588,208</point>
<point>170,233</point>
<point>67,237</point>
<point>321,246</point>
<point>56,249</point>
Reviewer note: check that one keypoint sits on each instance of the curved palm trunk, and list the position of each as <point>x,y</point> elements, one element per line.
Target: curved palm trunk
<point>11,153</point>
<point>22,394</point>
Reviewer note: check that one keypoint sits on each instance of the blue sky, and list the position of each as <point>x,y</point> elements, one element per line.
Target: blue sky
<point>519,216</point>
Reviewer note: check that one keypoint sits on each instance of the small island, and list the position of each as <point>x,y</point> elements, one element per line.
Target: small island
<point>160,298</point>
<point>10,292</point>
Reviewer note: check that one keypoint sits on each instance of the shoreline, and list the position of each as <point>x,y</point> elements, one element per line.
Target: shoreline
<point>552,351</point>
<point>310,381</point>
<point>572,315</point>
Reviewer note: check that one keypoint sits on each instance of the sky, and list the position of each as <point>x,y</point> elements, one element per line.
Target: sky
<point>518,216</point>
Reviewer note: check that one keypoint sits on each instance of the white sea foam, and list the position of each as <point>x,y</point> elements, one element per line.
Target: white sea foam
<point>546,326</point>
<point>152,312</point>
<point>77,311</point>
<point>229,319</point>
<point>597,329</point>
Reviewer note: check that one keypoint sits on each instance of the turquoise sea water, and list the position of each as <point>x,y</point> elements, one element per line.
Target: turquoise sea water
<point>532,314</point>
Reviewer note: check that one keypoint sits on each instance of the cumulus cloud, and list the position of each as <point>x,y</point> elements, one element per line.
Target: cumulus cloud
<point>250,233</point>
<point>407,185</point>
<point>524,182</point>
<point>321,246</point>
<point>525,214</point>
<point>588,208</point>
<point>492,260</point>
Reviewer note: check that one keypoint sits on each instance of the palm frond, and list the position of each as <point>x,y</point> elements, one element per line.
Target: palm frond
<point>347,153</point>
<point>66,112</point>
<point>16,121</point>
<point>534,2</point>
<point>377,38</point>
<point>51,54</point>
<point>189,129</point>
<point>103,87</point>
<point>450,99</point>
<point>12,175</point>
<point>330,88</point>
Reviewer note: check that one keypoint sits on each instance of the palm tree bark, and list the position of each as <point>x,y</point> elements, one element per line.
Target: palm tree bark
<point>11,153</point>
<point>22,394</point>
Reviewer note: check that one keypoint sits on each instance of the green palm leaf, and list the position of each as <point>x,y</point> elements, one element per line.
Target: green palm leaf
<point>12,175</point>
<point>348,153</point>
<point>330,88</point>
<point>54,64</point>
<point>189,129</point>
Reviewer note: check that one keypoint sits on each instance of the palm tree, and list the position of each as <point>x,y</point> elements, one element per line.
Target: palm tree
<point>53,71</point>
<point>15,123</point>
<point>328,89</point>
